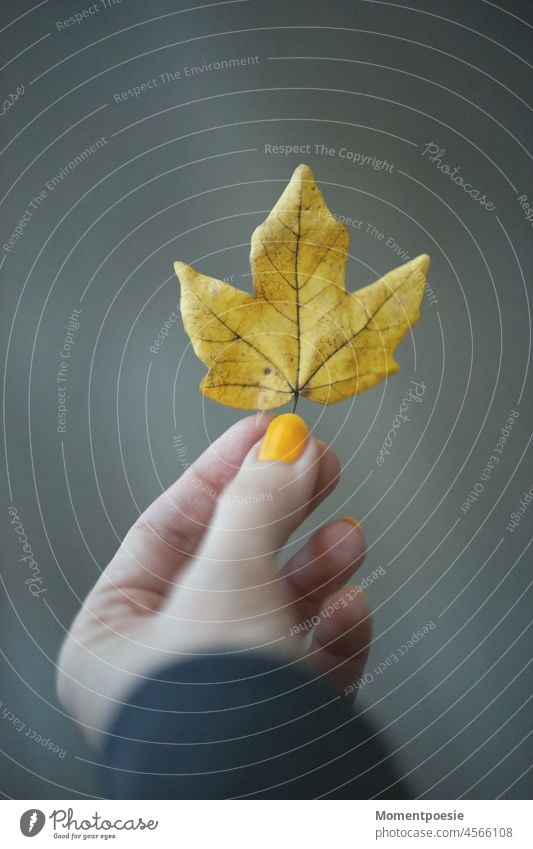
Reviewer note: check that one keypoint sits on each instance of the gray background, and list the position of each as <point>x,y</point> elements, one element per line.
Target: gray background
<point>184,175</point>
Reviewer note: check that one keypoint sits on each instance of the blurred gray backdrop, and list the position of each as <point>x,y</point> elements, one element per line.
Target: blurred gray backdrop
<point>131,137</point>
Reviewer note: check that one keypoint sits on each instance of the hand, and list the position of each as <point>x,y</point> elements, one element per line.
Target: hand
<point>198,572</point>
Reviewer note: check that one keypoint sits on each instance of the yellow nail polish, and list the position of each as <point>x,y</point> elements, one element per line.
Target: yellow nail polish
<point>285,439</point>
<point>352,521</point>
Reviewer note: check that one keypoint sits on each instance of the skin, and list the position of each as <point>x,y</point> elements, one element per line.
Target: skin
<point>199,572</point>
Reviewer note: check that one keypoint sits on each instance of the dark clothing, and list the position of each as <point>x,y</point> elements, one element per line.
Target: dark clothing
<point>243,725</point>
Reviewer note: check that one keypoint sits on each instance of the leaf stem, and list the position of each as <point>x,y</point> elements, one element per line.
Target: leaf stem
<point>296,396</point>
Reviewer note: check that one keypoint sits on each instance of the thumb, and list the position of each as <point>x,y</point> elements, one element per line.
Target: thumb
<point>267,499</point>
<point>230,591</point>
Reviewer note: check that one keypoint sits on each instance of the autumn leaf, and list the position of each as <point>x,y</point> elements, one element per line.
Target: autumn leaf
<point>301,334</point>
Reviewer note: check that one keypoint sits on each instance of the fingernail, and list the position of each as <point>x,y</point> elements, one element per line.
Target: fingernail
<point>285,439</point>
<point>352,521</point>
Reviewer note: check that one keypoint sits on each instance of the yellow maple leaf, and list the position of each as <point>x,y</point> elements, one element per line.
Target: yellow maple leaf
<point>302,333</point>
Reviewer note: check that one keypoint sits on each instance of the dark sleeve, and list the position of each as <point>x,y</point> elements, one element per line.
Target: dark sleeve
<point>243,725</point>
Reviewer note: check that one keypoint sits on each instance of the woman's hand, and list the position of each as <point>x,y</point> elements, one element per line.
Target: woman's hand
<point>198,572</point>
